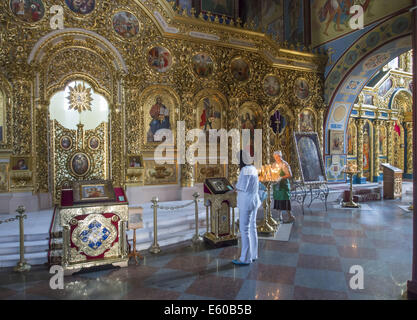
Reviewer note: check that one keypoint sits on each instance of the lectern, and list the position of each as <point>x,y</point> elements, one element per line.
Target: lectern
<point>93,217</point>
<point>393,181</point>
<point>220,212</point>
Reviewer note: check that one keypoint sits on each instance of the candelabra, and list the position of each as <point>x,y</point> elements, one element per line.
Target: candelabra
<point>350,171</point>
<point>268,176</point>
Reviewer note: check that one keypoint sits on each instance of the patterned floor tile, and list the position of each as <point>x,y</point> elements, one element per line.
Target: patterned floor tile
<point>320,279</point>
<point>318,239</point>
<point>260,290</point>
<point>189,263</point>
<point>170,279</point>
<point>319,262</point>
<point>216,287</point>
<point>319,249</point>
<point>303,293</point>
<point>270,273</point>
<point>355,252</point>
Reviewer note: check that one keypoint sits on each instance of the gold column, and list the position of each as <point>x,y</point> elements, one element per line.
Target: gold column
<point>390,141</point>
<point>409,126</point>
<point>320,125</point>
<point>233,123</point>
<point>377,124</point>
<point>360,123</point>
<point>266,138</point>
<point>187,170</point>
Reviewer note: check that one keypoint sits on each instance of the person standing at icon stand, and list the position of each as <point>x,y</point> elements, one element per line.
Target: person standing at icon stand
<point>282,188</point>
<point>248,203</point>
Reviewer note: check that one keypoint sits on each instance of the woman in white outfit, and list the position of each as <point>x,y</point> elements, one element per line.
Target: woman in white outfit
<point>248,203</point>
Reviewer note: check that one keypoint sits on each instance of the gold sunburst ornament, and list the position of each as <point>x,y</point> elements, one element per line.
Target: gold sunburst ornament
<point>80,98</point>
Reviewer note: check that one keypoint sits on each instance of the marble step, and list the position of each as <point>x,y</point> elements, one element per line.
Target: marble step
<point>34,258</point>
<point>11,248</point>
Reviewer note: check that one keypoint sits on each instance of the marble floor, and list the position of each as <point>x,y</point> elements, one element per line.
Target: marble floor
<point>314,264</point>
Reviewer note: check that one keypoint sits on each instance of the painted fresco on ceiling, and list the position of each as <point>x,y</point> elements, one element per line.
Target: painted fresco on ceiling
<point>380,35</point>
<point>294,21</point>
<point>344,99</point>
<point>330,18</point>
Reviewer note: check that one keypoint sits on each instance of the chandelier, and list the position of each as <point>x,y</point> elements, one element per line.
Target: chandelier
<point>80,98</point>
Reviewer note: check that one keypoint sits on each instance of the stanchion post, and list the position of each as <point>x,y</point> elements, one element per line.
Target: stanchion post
<point>196,238</point>
<point>22,265</point>
<point>155,246</point>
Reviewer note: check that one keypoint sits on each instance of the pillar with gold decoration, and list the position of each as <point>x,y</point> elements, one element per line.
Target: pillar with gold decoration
<point>390,141</point>
<point>409,172</point>
<point>377,177</point>
<point>233,123</point>
<point>360,123</point>
<point>187,170</point>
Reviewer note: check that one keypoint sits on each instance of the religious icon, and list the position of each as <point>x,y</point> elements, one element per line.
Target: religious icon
<point>222,7</point>
<point>202,65</point>
<point>28,10</point>
<point>272,86</point>
<point>301,88</point>
<point>307,120</point>
<point>159,59</point>
<point>94,143</point>
<point>66,142</point>
<point>309,157</point>
<point>80,164</point>
<point>336,142</point>
<point>20,164</point>
<point>93,192</point>
<point>240,69</point>
<point>135,162</point>
<point>81,6</point>
<point>126,24</point>
<point>210,116</point>
<point>278,123</point>
<point>160,119</point>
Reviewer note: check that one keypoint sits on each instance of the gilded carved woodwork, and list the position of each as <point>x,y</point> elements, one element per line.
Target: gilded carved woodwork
<point>360,124</point>
<point>36,62</point>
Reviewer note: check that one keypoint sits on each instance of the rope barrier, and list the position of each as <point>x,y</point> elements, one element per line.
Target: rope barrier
<point>155,248</point>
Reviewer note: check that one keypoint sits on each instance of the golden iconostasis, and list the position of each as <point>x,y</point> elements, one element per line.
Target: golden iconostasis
<point>380,128</point>
<point>153,67</point>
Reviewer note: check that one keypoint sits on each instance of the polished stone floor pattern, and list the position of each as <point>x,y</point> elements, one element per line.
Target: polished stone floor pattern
<point>314,264</point>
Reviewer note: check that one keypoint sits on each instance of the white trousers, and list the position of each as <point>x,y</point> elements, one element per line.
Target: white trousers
<point>249,235</point>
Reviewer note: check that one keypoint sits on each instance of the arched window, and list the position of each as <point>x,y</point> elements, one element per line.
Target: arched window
<point>78,103</point>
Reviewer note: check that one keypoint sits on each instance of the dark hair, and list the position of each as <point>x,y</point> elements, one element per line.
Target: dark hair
<point>241,162</point>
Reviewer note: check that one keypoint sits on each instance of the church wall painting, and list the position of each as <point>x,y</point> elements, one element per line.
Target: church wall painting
<point>307,121</point>
<point>30,11</point>
<point>310,157</point>
<point>81,6</point>
<point>336,141</point>
<point>126,25</point>
<point>294,20</point>
<point>80,164</point>
<point>272,86</point>
<point>267,14</point>
<point>209,113</point>
<point>159,106</point>
<point>240,69</point>
<point>21,163</point>
<point>159,59</point>
<point>302,89</point>
<point>335,166</point>
<point>202,65</point>
<point>65,142</point>
<point>220,7</point>
<point>330,18</point>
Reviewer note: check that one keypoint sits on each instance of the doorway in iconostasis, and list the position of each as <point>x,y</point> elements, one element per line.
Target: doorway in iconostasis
<point>282,135</point>
<point>79,126</point>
